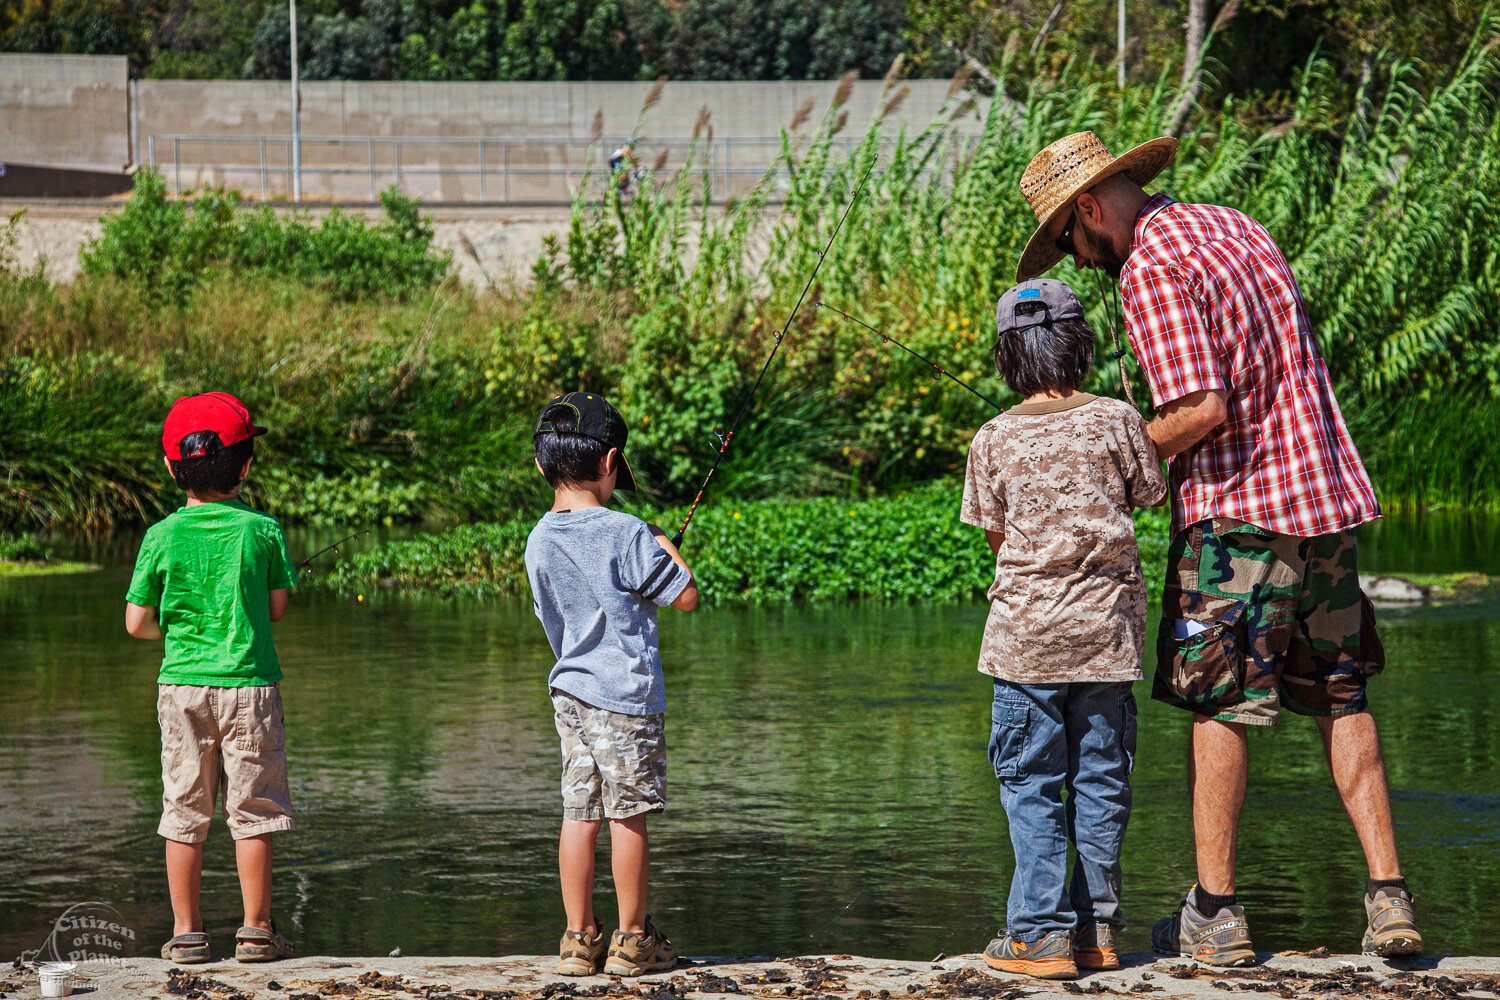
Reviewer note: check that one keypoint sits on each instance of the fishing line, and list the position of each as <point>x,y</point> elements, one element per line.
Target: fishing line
<point>1118,354</point>
<point>724,438</point>
<point>306,564</point>
<point>937,369</point>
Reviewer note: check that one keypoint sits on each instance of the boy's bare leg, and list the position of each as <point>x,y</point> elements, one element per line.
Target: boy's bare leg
<point>1217,770</point>
<point>1359,772</point>
<point>184,876</point>
<point>630,861</point>
<point>253,858</point>
<point>575,864</point>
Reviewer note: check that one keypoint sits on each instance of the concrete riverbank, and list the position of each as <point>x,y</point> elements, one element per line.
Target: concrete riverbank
<point>1292,976</point>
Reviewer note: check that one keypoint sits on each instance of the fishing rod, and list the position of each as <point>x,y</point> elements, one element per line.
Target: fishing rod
<point>724,439</point>
<point>306,564</point>
<point>937,369</point>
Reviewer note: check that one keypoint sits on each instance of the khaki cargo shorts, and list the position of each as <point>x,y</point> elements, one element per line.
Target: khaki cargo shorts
<point>614,765</point>
<point>229,736</point>
<point>1254,621</point>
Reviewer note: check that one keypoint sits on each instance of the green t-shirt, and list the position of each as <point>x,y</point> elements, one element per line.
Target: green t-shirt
<point>209,569</point>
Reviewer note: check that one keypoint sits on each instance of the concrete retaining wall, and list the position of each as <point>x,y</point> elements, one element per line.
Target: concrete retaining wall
<point>80,112</point>
<point>512,110</point>
<point>64,111</point>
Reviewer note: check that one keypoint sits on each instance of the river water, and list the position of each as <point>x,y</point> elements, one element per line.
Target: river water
<point>829,790</point>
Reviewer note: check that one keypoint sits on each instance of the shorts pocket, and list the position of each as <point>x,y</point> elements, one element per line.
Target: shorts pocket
<point>1008,726</point>
<point>262,727</point>
<point>1200,650</point>
<point>1371,649</point>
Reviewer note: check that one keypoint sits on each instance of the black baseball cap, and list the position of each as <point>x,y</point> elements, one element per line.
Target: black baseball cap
<point>593,417</point>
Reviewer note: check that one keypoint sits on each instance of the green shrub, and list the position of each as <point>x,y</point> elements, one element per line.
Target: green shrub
<point>23,548</point>
<point>910,546</point>
<point>156,242</point>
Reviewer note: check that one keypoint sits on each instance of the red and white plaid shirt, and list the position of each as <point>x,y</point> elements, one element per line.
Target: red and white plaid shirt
<point>1211,303</point>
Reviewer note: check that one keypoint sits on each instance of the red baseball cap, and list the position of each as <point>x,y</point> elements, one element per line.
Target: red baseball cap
<point>207,411</point>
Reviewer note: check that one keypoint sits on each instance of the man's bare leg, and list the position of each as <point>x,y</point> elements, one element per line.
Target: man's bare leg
<point>1218,768</point>
<point>1358,765</point>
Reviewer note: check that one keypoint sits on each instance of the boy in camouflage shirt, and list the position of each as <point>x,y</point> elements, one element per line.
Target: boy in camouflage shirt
<point>1052,482</point>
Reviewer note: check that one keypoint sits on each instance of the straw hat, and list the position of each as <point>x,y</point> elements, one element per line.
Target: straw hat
<point>1066,169</point>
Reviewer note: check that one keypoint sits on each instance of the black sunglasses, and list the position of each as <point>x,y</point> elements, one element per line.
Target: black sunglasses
<point>1064,241</point>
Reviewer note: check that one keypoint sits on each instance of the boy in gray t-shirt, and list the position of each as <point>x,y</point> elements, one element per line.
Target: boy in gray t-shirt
<point>597,577</point>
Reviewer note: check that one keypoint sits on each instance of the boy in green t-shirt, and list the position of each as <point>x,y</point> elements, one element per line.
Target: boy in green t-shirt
<point>211,578</point>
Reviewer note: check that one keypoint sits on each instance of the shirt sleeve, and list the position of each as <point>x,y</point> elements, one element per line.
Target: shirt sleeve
<point>145,581</point>
<point>984,497</point>
<point>282,573</point>
<point>1168,328</point>
<point>647,570</point>
<point>1146,483</point>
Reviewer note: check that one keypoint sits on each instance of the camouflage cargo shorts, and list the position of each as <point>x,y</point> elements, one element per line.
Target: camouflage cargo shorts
<point>614,765</point>
<point>1254,621</point>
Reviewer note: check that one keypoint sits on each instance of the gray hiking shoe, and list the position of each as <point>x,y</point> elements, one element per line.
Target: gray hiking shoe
<point>1049,958</point>
<point>1391,927</point>
<point>1220,939</point>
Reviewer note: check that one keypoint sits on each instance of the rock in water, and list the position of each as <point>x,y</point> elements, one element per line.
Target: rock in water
<point>1392,588</point>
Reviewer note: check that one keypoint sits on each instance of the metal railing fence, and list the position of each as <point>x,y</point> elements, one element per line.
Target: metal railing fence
<point>478,168</point>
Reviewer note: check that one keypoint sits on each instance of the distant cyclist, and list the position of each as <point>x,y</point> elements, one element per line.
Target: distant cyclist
<point>618,160</point>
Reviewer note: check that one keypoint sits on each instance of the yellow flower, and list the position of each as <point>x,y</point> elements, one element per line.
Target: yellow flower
<point>736,515</point>
<point>964,321</point>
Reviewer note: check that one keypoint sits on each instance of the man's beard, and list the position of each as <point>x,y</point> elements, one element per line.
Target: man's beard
<point>1104,254</point>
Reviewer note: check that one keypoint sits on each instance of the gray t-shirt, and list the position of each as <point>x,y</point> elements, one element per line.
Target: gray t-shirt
<point>597,577</point>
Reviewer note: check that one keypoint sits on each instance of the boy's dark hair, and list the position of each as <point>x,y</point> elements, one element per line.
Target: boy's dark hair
<point>1039,358</point>
<point>217,472</point>
<point>568,459</point>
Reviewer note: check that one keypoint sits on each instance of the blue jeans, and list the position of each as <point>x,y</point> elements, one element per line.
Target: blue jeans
<point>1045,738</point>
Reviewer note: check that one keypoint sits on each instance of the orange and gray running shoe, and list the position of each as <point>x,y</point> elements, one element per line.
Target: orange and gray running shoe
<point>1094,947</point>
<point>1049,958</point>
<point>1222,938</point>
<point>1391,924</point>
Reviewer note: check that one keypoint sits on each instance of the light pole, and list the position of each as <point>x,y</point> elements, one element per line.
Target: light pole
<point>297,114</point>
<point>1121,45</point>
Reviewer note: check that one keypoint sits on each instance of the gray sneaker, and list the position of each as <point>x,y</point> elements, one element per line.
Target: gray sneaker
<point>1220,939</point>
<point>1391,927</point>
<point>1049,958</point>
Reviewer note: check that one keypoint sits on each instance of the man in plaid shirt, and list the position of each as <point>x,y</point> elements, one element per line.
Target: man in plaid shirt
<point>1262,608</point>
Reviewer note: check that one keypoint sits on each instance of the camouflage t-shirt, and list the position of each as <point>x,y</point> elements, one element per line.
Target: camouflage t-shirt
<point>1059,478</point>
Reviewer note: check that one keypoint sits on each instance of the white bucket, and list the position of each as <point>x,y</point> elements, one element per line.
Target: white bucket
<point>57,978</point>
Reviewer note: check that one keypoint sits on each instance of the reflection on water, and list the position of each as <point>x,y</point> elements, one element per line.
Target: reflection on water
<point>829,790</point>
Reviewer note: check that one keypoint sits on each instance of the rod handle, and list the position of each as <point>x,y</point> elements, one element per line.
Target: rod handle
<point>677,540</point>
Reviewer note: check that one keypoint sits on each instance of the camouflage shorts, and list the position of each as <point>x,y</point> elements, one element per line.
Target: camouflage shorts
<point>614,765</point>
<point>1253,621</point>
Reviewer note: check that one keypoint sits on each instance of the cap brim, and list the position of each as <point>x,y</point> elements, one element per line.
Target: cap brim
<point>625,479</point>
<point>1140,164</point>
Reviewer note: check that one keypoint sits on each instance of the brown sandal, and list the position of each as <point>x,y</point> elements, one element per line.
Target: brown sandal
<point>187,949</point>
<point>256,944</point>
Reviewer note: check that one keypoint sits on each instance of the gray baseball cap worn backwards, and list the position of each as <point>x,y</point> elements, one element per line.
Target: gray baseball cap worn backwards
<point>593,417</point>
<point>1039,302</point>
